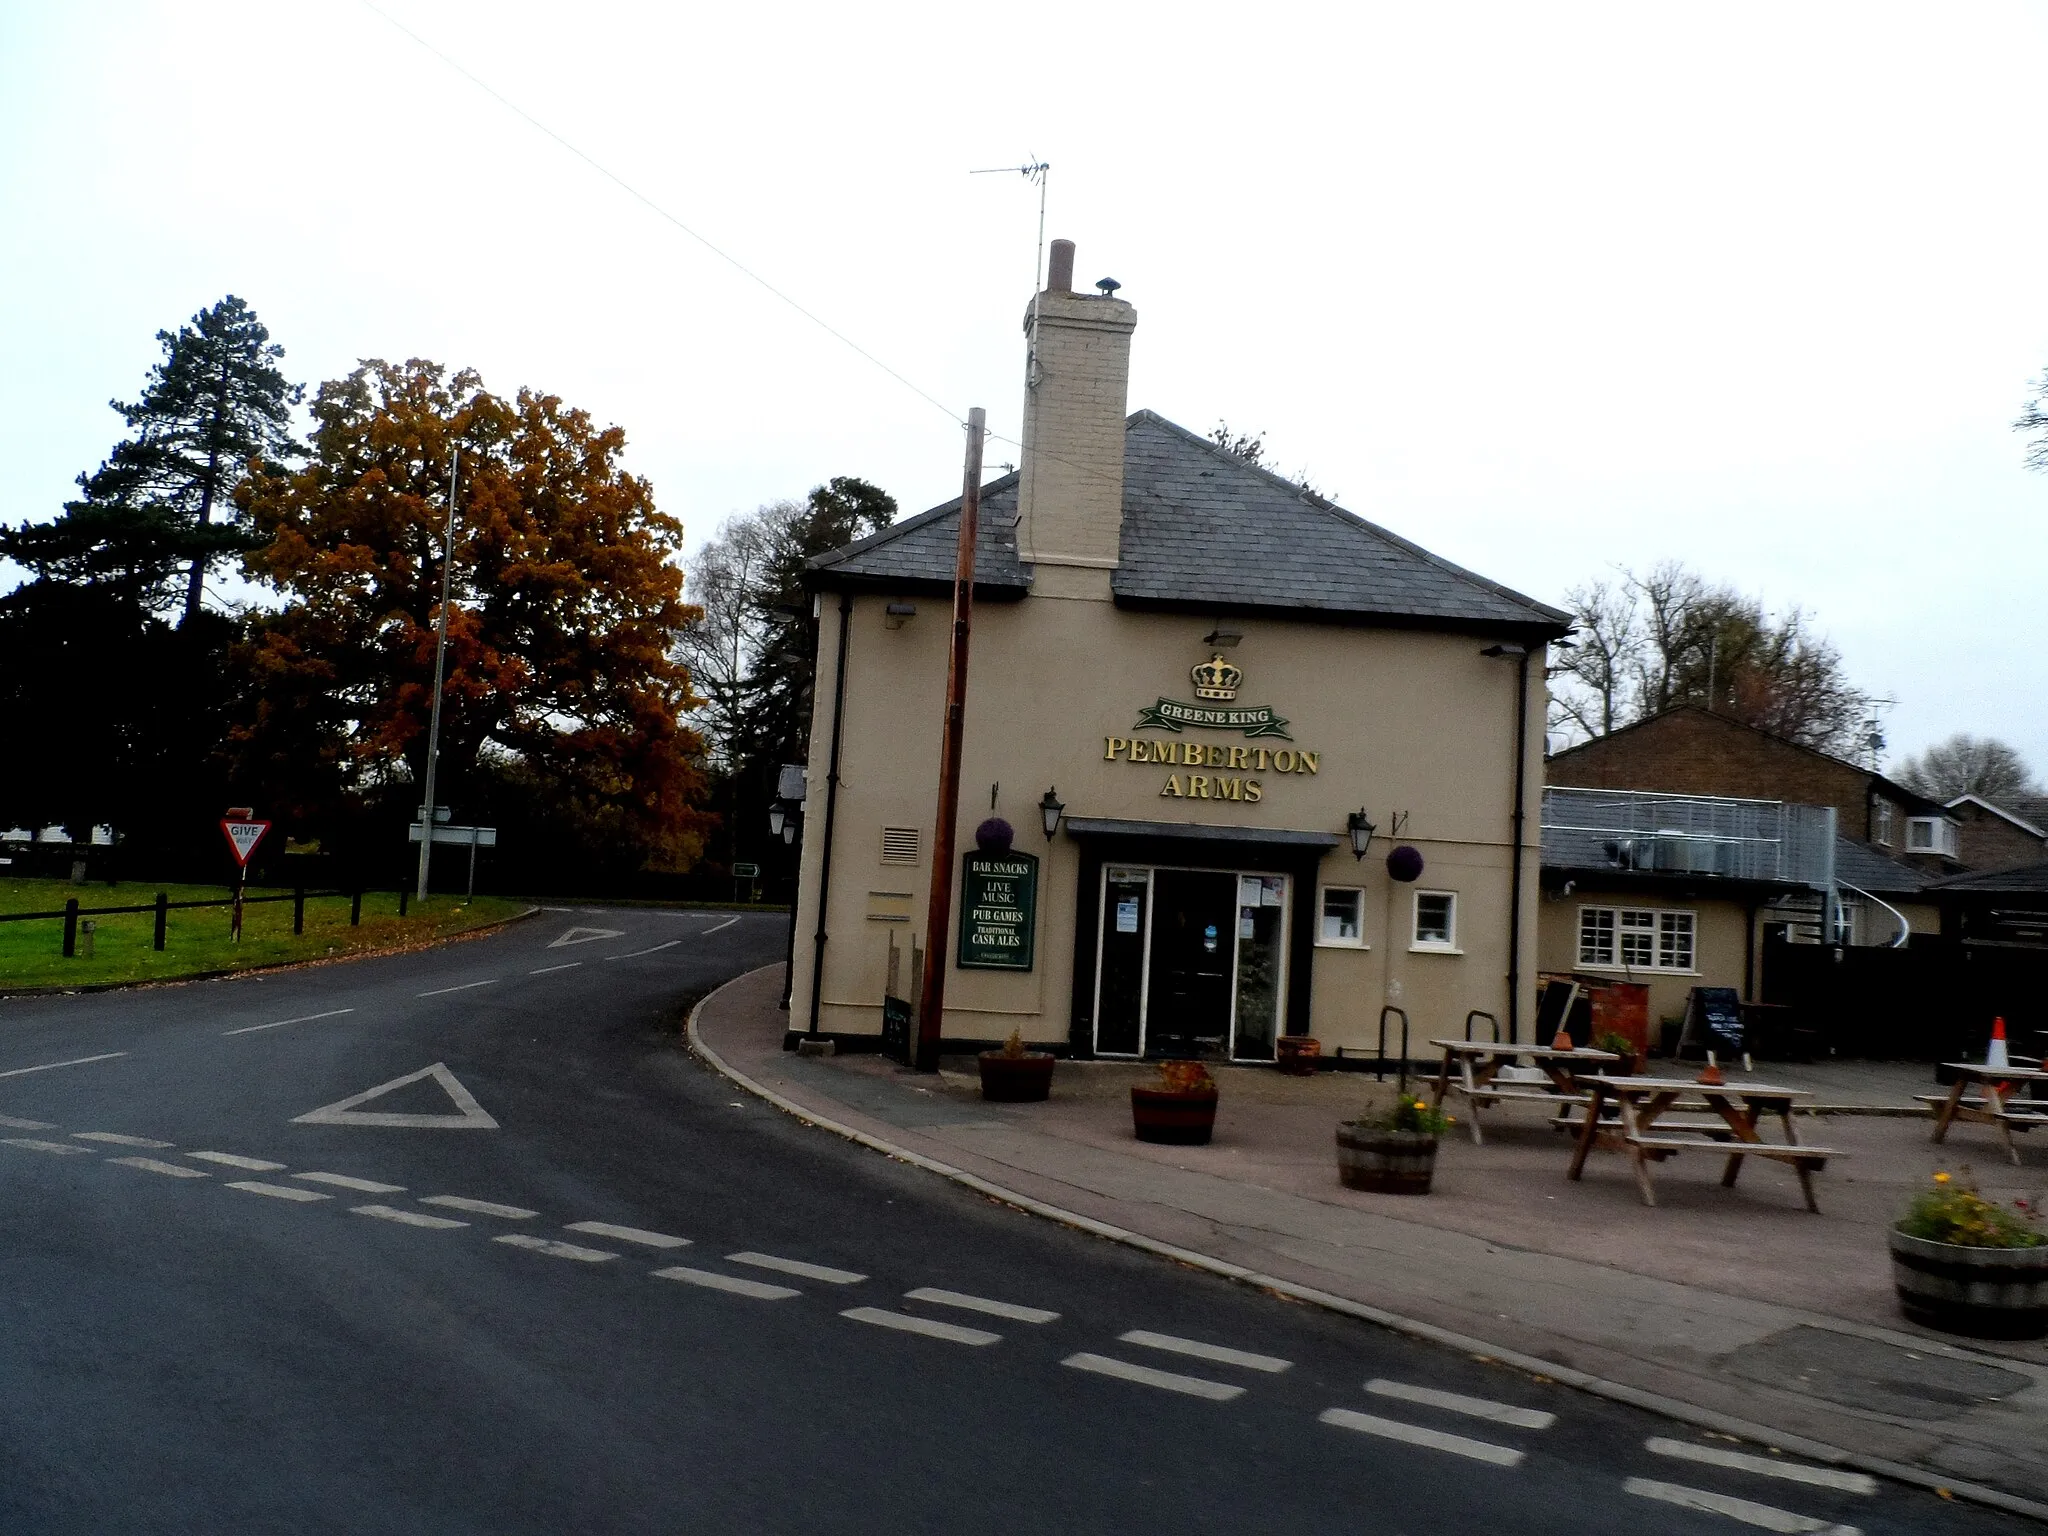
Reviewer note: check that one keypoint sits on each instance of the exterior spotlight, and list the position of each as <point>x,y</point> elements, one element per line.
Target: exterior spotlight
<point>1361,828</point>
<point>1050,809</point>
<point>1222,638</point>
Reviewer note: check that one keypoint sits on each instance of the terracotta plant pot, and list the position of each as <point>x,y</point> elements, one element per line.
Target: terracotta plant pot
<point>1025,1079</point>
<point>1177,1119</point>
<point>1383,1161</point>
<point>1988,1293</point>
<point>1298,1053</point>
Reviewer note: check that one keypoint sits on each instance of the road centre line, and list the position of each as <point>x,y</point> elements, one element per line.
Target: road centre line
<point>115,1139</point>
<point>1767,1516</point>
<point>408,1218</point>
<point>44,1146</point>
<point>466,986</point>
<point>25,1125</point>
<point>51,1066</point>
<point>1415,1434</point>
<point>1201,1351</point>
<point>233,1160</point>
<point>930,1327</point>
<point>480,1207</point>
<point>1472,1407</point>
<point>732,1283</point>
<point>343,1181</point>
<point>634,954</point>
<point>277,1191</point>
<point>554,1249</point>
<point>1145,1375</point>
<point>638,1235</point>
<point>549,970</point>
<point>796,1267</point>
<point>1763,1466</point>
<point>154,1165</point>
<point>304,1018</point>
<point>967,1303</point>
<point>719,929</point>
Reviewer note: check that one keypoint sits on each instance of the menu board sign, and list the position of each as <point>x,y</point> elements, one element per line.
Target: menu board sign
<point>998,910</point>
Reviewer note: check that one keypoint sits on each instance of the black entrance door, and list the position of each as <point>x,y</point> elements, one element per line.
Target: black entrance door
<point>1194,954</point>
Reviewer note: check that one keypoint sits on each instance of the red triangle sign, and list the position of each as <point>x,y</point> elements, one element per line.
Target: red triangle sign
<point>243,836</point>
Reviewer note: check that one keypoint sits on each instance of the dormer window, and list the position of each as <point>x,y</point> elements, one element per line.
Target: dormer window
<point>1931,834</point>
<point>1881,822</point>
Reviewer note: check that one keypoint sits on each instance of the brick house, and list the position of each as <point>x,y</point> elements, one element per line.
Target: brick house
<point>1994,837</point>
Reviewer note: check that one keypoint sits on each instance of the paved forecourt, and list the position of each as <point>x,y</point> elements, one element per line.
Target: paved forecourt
<point>462,1241</point>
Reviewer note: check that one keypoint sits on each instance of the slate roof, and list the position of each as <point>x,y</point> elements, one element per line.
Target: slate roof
<point>2027,878</point>
<point>1859,864</point>
<point>1204,530</point>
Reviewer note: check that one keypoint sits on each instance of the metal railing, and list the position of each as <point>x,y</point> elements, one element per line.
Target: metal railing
<point>1690,834</point>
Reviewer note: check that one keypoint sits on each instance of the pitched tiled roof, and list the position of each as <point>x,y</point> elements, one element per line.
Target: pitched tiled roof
<point>1203,529</point>
<point>2029,877</point>
<point>1861,865</point>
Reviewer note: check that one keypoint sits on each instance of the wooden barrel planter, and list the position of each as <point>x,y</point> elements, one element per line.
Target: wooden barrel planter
<point>1025,1079</point>
<point>1987,1293</point>
<point>1385,1162</point>
<point>1298,1053</point>
<point>1176,1119</point>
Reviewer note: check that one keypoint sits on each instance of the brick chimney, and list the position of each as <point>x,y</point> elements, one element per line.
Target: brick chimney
<point>1070,501</point>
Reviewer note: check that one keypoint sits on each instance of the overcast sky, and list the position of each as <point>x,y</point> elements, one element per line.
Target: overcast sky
<point>1548,289</point>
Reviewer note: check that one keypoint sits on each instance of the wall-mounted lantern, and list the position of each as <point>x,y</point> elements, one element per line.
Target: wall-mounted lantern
<point>1361,829</point>
<point>1050,809</point>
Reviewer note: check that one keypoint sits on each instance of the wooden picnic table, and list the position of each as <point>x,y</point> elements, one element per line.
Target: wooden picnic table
<point>1994,1103</point>
<point>1640,1102</point>
<point>1478,1064</point>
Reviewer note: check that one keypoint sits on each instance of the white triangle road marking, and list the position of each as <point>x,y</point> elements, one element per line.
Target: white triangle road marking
<point>469,1116</point>
<point>586,935</point>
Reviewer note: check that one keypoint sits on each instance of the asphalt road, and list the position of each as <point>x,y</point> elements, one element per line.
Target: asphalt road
<point>589,1287</point>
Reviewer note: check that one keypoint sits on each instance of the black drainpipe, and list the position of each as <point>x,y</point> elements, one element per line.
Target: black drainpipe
<point>1521,821</point>
<point>831,806</point>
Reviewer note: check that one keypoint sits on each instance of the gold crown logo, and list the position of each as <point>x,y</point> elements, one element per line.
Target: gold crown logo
<point>1215,678</point>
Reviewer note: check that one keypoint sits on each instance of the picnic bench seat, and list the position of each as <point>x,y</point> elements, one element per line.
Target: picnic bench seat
<point>2019,1111</point>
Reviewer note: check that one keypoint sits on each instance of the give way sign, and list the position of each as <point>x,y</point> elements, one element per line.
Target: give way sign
<point>243,836</point>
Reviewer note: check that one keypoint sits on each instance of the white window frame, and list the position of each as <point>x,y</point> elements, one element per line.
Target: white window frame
<point>1417,944</point>
<point>1323,939</point>
<point>1881,828</point>
<point>1941,835</point>
<point>1656,934</point>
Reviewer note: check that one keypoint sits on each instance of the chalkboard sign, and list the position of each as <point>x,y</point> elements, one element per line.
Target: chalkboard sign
<point>998,910</point>
<point>1713,1022</point>
<point>896,1029</point>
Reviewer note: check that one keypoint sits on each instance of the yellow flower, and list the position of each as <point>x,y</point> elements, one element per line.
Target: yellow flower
<point>1941,1178</point>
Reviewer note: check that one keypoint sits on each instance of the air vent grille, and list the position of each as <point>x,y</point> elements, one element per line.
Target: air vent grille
<point>899,845</point>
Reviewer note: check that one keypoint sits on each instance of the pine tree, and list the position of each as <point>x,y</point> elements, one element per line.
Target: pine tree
<point>160,510</point>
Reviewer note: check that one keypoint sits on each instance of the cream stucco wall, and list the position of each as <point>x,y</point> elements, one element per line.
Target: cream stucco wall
<point>1400,720</point>
<point>1720,945</point>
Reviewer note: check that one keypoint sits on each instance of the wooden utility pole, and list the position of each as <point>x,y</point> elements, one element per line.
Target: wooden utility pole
<point>939,913</point>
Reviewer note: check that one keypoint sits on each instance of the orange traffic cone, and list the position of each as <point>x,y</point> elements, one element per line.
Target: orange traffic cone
<point>1710,1076</point>
<point>1994,1054</point>
<point>1562,1040</point>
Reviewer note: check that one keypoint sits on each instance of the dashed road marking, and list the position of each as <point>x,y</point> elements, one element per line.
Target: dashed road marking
<point>1415,1434</point>
<point>1471,1407</point>
<point>235,1160</point>
<point>634,954</point>
<point>1145,1375</point>
<point>344,1181</point>
<point>153,1165</point>
<point>719,929</point>
<point>1763,1466</point>
<point>1201,1351</point>
<point>25,1125</point>
<point>553,1249</point>
<point>51,1066</point>
<point>406,1218</point>
<point>967,1303</point>
<point>488,981</point>
<point>304,1018</point>
<point>638,1235</point>
<point>549,970</point>
<point>796,1267</point>
<point>277,1191</point>
<point>480,1207</point>
<point>931,1328</point>
<point>733,1283</point>
<point>45,1146</point>
<point>1768,1516</point>
<point>114,1139</point>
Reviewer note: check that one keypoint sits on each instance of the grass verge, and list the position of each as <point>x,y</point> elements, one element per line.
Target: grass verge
<point>197,942</point>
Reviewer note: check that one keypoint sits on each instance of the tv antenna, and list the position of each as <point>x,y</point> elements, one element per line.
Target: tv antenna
<point>1034,171</point>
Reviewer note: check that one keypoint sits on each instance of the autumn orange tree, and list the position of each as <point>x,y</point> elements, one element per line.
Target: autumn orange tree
<point>566,603</point>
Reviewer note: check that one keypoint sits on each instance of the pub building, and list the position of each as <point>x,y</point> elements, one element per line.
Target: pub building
<point>1259,756</point>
